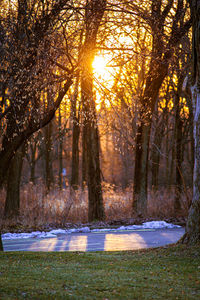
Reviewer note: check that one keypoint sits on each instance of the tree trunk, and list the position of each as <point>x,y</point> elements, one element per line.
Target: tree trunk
<point>60,151</point>
<point>96,208</point>
<point>75,139</point>
<point>156,150</point>
<point>95,198</point>
<point>192,232</point>
<point>49,179</point>
<point>167,155</point>
<point>12,205</point>
<point>75,155</point>
<point>160,120</point>
<point>84,161</point>
<point>141,169</point>
<point>33,165</point>
<point>93,14</point>
<point>179,157</point>
<point>148,101</point>
<point>191,125</point>
<point>33,161</point>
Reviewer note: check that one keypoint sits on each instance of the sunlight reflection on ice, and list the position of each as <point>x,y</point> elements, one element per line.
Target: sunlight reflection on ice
<point>78,243</point>
<point>74,243</point>
<point>44,245</point>
<point>123,242</point>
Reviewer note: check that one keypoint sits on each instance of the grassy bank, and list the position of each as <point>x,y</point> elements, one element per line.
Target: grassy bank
<point>163,273</point>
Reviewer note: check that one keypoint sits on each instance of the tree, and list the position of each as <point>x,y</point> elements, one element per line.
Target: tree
<point>192,234</point>
<point>28,60</point>
<point>27,77</point>
<point>164,41</point>
<point>93,15</point>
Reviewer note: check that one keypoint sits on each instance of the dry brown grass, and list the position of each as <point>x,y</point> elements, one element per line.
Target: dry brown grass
<point>66,206</point>
<point>161,203</point>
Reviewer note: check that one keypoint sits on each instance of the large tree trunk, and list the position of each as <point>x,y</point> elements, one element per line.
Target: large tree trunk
<point>12,205</point>
<point>192,233</point>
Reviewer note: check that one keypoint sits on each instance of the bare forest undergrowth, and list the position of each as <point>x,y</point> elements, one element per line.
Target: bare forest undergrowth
<point>40,210</point>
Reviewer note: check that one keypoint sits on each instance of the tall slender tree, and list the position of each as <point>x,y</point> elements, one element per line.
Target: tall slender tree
<point>75,137</point>
<point>93,16</point>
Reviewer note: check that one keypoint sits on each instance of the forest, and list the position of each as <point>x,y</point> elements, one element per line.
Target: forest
<point>99,112</point>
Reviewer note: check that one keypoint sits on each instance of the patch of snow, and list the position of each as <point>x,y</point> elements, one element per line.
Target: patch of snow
<point>134,227</point>
<point>55,232</point>
<point>34,234</point>
<point>58,231</point>
<point>159,224</point>
<point>84,229</point>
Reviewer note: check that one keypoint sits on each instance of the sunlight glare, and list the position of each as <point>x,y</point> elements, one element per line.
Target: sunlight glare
<point>99,67</point>
<point>103,77</point>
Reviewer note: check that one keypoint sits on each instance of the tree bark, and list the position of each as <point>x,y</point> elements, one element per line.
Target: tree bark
<point>93,14</point>
<point>156,152</point>
<point>192,233</point>
<point>75,139</point>
<point>33,165</point>
<point>60,151</point>
<point>154,81</point>
<point>179,156</point>
<point>141,169</point>
<point>12,204</point>
<point>49,178</point>
<point>84,161</point>
<point>75,155</point>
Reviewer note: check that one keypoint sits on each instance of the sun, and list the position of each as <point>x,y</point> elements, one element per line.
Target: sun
<point>100,67</point>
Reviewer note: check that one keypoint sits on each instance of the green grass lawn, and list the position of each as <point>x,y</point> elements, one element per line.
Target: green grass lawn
<point>162,273</point>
